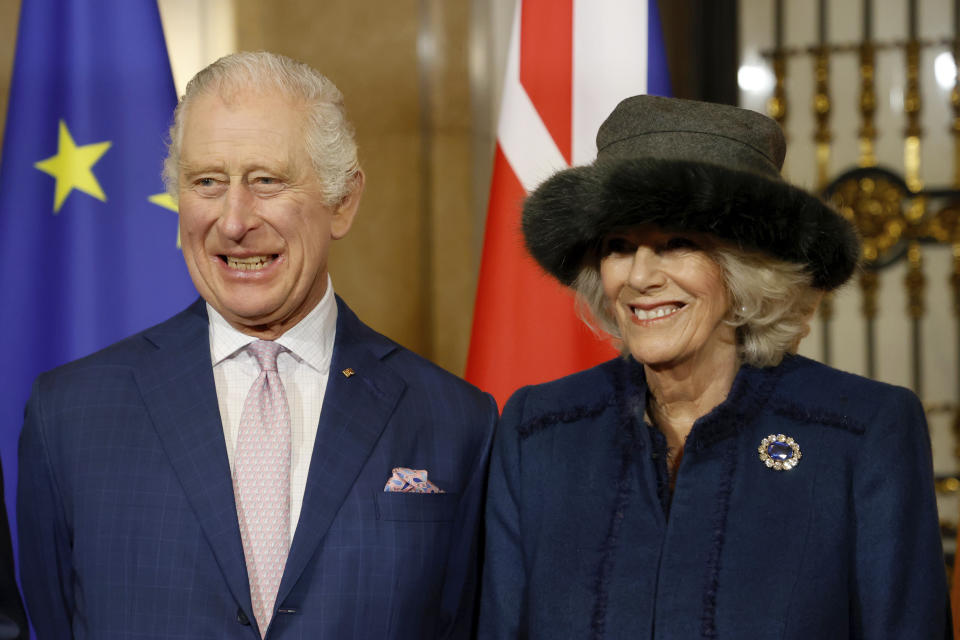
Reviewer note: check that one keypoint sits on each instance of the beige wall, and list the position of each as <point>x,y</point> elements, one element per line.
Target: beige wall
<point>409,265</point>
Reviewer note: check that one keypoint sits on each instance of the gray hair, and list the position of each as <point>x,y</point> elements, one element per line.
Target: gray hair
<point>329,136</point>
<point>771,302</point>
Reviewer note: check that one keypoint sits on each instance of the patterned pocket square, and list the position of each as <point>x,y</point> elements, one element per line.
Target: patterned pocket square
<point>410,480</point>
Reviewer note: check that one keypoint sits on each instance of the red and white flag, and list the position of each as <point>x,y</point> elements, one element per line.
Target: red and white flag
<point>570,63</point>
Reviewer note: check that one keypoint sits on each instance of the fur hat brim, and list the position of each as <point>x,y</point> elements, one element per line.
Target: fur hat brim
<point>568,215</point>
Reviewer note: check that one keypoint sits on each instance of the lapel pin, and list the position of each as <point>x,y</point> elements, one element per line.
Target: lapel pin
<point>348,372</point>
<point>779,452</point>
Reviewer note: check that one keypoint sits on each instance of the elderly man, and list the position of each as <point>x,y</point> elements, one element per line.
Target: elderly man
<point>262,464</point>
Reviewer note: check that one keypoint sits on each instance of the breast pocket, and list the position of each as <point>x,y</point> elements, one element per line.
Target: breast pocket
<point>416,507</point>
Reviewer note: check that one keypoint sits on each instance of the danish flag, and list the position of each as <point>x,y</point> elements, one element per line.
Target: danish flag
<point>570,63</point>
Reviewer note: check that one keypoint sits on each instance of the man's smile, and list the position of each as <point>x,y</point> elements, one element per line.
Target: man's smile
<point>251,263</point>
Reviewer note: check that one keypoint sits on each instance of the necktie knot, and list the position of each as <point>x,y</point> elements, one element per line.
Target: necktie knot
<point>266,352</point>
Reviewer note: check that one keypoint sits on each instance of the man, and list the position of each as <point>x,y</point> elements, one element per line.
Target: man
<point>262,464</point>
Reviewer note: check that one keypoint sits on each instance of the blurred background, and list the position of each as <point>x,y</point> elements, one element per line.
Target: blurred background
<point>865,90</point>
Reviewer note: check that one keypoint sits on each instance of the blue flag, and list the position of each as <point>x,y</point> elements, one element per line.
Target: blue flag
<point>88,241</point>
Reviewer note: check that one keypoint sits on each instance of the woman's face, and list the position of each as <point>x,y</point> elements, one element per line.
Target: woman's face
<point>667,295</point>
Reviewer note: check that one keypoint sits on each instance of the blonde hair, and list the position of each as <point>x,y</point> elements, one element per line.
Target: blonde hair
<point>771,302</point>
<point>329,136</point>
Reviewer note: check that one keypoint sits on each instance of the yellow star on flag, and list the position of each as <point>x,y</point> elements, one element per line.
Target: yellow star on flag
<point>73,167</point>
<point>165,200</point>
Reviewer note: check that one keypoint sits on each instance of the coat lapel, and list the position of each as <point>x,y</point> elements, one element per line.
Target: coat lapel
<point>178,389</point>
<point>356,409</point>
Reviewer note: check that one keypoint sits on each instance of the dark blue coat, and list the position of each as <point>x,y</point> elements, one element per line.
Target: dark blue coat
<point>584,542</point>
<point>128,527</point>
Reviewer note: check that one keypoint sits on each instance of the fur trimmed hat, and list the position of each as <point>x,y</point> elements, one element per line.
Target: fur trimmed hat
<point>687,166</point>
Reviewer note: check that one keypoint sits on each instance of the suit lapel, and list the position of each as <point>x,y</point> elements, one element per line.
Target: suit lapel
<point>355,411</point>
<point>178,389</point>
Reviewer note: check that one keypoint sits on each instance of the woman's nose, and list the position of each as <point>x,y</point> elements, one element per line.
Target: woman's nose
<point>645,270</point>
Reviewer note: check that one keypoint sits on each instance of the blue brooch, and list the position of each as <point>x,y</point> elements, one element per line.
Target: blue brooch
<point>779,452</point>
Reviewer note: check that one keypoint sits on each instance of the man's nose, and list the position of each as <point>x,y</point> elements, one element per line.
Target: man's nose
<point>239,214</point>
<point>646,270</point>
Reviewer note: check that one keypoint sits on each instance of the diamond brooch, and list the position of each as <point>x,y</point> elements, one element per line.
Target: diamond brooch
<point>779,452</point>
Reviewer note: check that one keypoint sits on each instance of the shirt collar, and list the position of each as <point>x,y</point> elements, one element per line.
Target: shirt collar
<point>310,340</point>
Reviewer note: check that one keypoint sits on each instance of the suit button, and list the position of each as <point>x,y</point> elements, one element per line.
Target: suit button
<point>242,618</point>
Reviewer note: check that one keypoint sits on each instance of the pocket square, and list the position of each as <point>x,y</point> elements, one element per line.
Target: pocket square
<point>410,481</point>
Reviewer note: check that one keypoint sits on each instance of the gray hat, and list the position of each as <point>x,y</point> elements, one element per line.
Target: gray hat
<point>687,166</point>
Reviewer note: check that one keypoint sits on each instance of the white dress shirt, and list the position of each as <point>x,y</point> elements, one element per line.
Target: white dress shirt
<point>304,368</point>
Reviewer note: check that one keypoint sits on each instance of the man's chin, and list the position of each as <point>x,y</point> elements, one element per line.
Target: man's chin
<point>250,319</point>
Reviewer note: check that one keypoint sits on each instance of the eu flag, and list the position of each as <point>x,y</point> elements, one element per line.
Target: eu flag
<point>88,243</point>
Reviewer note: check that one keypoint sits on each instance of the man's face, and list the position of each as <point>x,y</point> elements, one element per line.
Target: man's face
<point>254,229</point>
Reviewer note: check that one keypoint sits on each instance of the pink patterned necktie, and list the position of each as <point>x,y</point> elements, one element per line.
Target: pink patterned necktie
<point>261,481</point>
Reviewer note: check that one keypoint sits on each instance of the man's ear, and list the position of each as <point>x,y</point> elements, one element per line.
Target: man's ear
<point>346,211</point>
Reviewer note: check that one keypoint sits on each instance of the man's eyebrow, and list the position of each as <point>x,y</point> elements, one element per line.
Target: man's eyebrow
<point>285,172</point>
<point>189,169</point>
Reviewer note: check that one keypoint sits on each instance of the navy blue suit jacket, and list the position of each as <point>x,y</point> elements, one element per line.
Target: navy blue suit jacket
<point>127,520</point>
<point>584,541</point>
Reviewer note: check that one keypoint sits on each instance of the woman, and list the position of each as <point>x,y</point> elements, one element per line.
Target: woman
<point>708,484</point>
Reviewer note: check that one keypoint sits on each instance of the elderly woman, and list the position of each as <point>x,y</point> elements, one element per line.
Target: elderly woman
<point>709,483</point>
